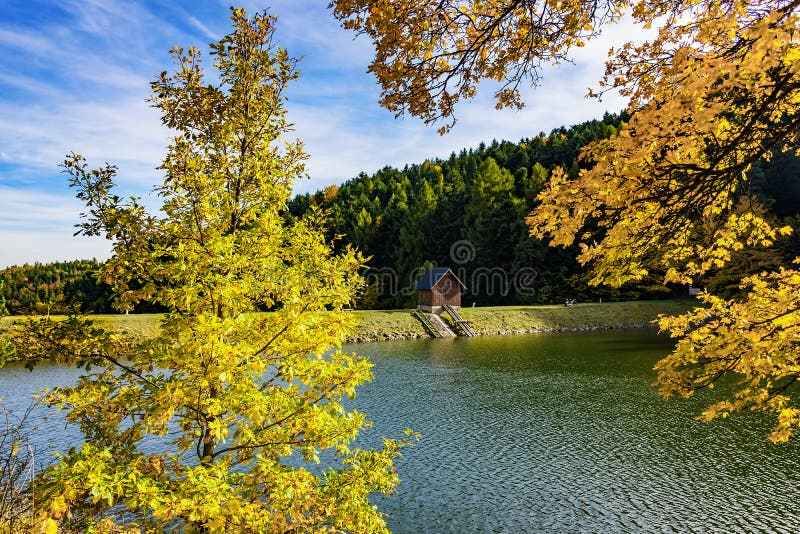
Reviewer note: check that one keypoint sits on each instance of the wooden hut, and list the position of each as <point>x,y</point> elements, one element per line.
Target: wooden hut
<point>437,288</point>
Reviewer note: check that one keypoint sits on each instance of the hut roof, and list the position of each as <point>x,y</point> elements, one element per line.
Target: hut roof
<point>432,277</point>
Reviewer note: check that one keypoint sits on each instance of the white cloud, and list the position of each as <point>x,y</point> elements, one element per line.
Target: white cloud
<point>350,135</point>
<point>20,247</point>
<point>26,208</point>
<point>37,226</point>
<point>27,84</point>
<point>127,133</point>
<point>103,17</point>
<point>205,30</point>
<point>25,40</point>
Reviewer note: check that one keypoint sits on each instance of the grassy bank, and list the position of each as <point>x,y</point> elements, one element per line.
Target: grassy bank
<point>144,325</point>
<point>513,319</point>
<point>380,325</point>
<point>400,324</point>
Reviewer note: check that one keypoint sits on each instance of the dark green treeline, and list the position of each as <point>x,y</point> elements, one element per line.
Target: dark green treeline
<point>58,288</point>
<point>54,288</point>
<point>466,212</point>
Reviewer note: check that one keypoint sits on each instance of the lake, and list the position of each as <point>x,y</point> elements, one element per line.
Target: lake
<point>548,433</point>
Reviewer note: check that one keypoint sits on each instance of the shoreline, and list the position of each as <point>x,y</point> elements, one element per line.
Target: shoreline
<point>394,325</point>
<point>351,340</point>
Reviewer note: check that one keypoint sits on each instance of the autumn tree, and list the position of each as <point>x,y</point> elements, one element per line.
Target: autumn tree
<point>217,424</point>
<point>431,54</point>
<point>715,92</point>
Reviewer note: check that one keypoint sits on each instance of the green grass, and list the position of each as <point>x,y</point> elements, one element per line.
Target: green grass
<point>377,325</point>
<point>140,325</point>
<point>508,319</point>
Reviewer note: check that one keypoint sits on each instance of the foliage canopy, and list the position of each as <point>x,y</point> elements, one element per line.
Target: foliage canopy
<point>216,424</point>
<point>430,54</point>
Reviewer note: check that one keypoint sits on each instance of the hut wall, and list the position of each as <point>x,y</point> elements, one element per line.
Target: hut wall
<point>425,297</point>
<point>447,291</point>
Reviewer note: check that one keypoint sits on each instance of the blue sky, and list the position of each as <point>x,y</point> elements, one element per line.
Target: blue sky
<point>74,75</point>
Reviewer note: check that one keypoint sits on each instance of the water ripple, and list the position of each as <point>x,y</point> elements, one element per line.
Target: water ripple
<point>563,433</point>
<point>547,433</point>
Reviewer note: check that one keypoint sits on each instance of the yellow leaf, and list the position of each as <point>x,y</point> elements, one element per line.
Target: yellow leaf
<point>49,526</point>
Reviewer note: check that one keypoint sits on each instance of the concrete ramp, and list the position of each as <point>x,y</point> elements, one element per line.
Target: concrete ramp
<point>440,326</point>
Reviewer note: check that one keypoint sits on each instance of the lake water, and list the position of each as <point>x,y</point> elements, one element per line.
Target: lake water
<point>548,433</point>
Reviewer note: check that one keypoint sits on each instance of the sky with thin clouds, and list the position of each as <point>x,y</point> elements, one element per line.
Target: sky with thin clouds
<point>75,74</point>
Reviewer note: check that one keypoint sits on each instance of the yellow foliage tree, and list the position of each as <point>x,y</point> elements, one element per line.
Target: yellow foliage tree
<point>430,54</point>
<point>217,423</point>
<point>717,90</point>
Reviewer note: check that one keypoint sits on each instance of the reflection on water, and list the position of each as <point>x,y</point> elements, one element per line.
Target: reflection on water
<point>547,433</point>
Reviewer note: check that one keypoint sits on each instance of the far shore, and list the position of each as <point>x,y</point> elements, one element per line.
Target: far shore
<point>387,325</point>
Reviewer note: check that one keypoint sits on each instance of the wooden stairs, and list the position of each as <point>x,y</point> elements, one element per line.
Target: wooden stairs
<point>436,327</point>
<point>426,323</point>
<point>461,324</point>
<point>433,324</point>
